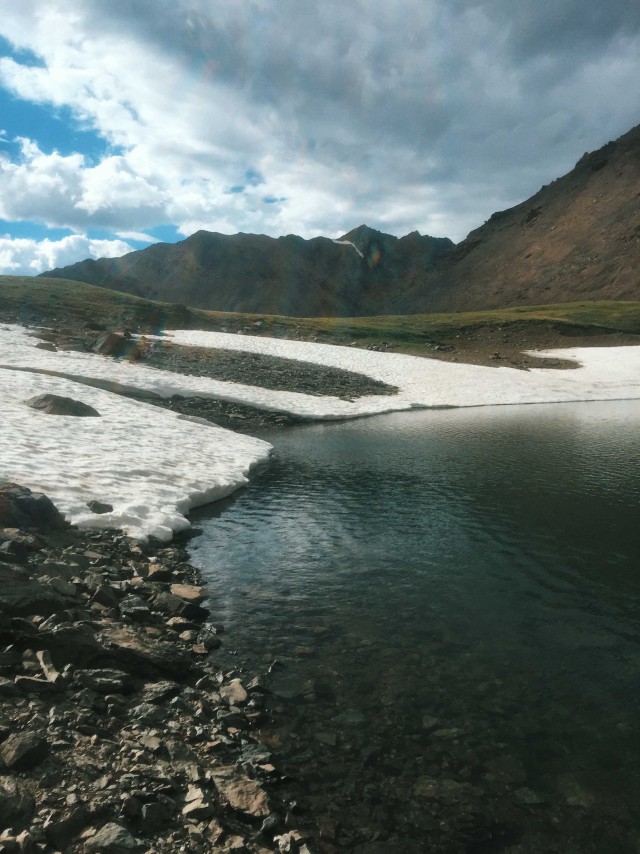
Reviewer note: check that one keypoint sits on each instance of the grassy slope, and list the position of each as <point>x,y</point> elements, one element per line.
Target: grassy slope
<point>59,302</point>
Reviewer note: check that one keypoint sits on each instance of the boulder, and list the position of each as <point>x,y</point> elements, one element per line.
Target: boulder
<point>23,751</point>
<point>175,606</point>
<point>113,839</point>
<point>21,595</point>
<point>16,806</point>
<point>117,344</point>
<point>55,404</point>
<point>22,508</point>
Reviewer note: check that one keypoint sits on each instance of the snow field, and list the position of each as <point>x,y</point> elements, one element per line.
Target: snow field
<point>153,466</point>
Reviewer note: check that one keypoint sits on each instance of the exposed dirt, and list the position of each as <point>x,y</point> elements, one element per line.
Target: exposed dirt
<point>499,346</point>
<point>265,371</point>
<point>493,346</point>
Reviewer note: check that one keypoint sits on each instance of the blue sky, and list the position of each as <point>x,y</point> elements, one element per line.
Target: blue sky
<point>128,123</point>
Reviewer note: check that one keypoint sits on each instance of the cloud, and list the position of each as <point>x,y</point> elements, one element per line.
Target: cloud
<point>138,236</point>
<point>25,257</point>
<point>419,114</point>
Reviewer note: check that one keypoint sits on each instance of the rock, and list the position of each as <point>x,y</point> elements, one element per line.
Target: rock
<point>190,592</point>
<point>47,666</point>
<point>107,595</point>
<point>104,680</point>
<point>528,797</point>
<point>147,715</point>
<point>158,692</point>
<point>113,839</point>
<point>99,506</point>
<point>34,685</point>
<point>154,816</point>
<point>23,751</point>
<point>14,552</point>
<point>21,508</point>
<point>8,687</point>
<point>55,404</point>
<point>70,643</point>
<point>144,656</point>
<point>134,608</point>
<point>234,693</point>
<point>167,603</point>
<point>116,344</point>
<point>64,829</point>
<point>16,807</point>
<point>199,809</point>
<point>241,793</point>
<point>429,722</point>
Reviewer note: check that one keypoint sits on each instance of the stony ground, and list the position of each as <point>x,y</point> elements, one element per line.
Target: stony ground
<point>118,732</point>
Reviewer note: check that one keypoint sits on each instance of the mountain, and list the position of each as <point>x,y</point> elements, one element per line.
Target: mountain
<point>577,239</point>
<point>256,273</point>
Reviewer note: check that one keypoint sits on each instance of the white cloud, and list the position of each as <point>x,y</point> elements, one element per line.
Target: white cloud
<point>25,257</point>
<point>418,114</point>
<point>138,236</point>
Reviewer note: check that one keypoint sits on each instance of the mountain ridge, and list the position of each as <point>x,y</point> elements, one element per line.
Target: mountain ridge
<point>576,238</point>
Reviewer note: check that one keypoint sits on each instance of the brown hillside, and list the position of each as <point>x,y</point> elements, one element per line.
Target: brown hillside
<point>577,239</point>
<point>260,274</point>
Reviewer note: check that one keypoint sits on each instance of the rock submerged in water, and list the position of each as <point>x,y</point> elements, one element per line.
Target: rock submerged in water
<point>116,732</point>
<point>55,404</point>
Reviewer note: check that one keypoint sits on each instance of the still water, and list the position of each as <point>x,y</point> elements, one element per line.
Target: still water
<point>452,598</point>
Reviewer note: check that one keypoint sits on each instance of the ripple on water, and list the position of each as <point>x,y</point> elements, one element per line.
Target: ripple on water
<point>477,570</point>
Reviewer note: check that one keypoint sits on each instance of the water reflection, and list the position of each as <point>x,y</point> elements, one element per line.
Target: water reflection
<point>458,592</point>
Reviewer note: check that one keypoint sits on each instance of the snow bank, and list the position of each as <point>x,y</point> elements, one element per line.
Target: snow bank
<point>153,466</point>
<point>148,463</point>
<point>605,373</point>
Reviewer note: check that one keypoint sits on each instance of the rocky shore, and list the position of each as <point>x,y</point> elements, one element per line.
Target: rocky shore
<point>118,732</point>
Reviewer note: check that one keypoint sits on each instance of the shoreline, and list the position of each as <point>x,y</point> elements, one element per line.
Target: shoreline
<point>118,728</point>
<point>224,789</point>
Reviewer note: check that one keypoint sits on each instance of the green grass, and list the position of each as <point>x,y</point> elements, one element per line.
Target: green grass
<point>59,301</point>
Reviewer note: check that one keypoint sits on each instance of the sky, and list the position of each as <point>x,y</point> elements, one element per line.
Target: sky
<point>128,122</point>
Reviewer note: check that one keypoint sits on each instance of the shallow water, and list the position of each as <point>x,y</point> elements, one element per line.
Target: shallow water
<point>453,597</point>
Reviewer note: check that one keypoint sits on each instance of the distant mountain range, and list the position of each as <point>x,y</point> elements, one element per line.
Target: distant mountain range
<point>577,239</point>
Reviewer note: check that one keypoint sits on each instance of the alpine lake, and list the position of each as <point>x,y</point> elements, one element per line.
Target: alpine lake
<point>446,602</point>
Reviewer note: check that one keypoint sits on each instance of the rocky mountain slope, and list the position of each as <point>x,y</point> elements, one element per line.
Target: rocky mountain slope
<point>577,239</point>
<point>256,273</point>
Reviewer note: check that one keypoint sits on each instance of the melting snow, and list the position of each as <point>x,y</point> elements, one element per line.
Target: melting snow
<point>349,243</point>
<point>153,466</point>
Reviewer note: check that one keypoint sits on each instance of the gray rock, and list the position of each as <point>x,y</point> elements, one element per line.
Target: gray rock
<point>147,715</point>
<point>167,603</point>
<point>99,506</point>
<point>135,609</point>
<point>113,839</point>
<point>103,681</point>
<point>23,751</point>
<point>64,829</point>
<point>154,816</point>
<point>21,508</point>
<point>14,551</point>
<point>158,692</point>
<point>34,685</point>
<point>16,807</point>
<point>55,404</point>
